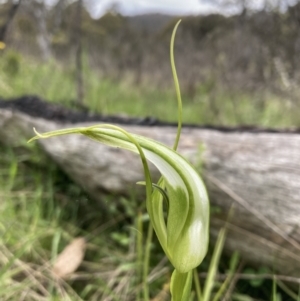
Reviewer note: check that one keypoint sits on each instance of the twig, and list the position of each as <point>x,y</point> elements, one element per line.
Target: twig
<point>256,276</point>
<point>233,282</point>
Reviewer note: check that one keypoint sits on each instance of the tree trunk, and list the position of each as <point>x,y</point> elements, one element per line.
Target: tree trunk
<point>39,11</point>
<point>79,71</point>
<point>257,172</point>
<point>11,14</point>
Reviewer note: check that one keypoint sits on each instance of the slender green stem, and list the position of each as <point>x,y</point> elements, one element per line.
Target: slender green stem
<point>210,280</point>
<point>286,289</point>
<point>139,252</point>
<point>177,87</point>
<point>197,285</point>
<point>54,252</point>
<point>147,262</point>
<point>274,290</point>
<point>233,266</point>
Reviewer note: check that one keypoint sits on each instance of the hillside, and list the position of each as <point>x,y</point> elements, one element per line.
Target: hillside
<point>256,51</point>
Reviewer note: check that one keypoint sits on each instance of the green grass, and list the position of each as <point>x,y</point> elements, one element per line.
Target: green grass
<point>41,211</point>
<point>53,82</point>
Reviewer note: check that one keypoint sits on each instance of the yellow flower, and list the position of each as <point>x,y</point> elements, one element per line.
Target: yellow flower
<point>2,45</point>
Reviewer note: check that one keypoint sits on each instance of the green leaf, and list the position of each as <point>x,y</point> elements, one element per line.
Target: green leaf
<point>214,263</point>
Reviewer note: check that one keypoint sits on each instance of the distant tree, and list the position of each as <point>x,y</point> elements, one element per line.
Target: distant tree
<point>38,11</point>
<point>43,35</point>
<point>12,12</point>
<point>245,5</point>
<point>58,14</point>
<point>235,5</point>
<point>79,75</point>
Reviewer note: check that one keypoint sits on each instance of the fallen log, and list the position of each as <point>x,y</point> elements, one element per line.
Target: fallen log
<point>257,171</point>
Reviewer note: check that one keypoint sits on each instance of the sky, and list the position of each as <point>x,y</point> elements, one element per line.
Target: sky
<point>176,7</point>
<point>98,8</point>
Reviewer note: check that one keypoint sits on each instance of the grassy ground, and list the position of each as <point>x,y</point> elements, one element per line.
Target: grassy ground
<point>42,211</point>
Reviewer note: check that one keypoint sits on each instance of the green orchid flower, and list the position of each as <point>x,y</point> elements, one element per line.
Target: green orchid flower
<point>184,234</point>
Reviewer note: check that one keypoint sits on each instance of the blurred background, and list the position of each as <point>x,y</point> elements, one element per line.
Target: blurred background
<point>237,60</point>
<point>238,64</point>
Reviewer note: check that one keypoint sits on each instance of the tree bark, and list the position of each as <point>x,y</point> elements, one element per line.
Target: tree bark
<point>79,71</point>
<point>42,35</point>
<point>257,172</point>
<point>38,11</point>
<point>11,14</point>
